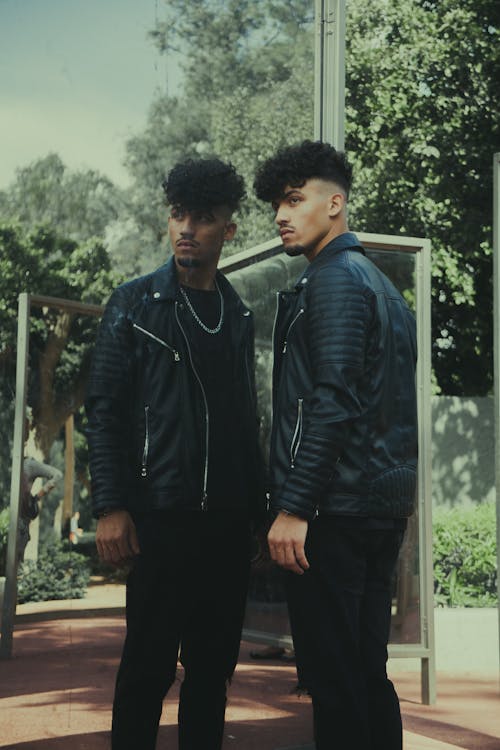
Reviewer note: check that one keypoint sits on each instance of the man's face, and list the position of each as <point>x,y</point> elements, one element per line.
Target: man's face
<point>197,236</point>
<point>306,216</point>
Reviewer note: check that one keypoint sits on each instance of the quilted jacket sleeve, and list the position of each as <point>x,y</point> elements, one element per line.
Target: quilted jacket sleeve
<point>107,407</point>
<point>338,319</point>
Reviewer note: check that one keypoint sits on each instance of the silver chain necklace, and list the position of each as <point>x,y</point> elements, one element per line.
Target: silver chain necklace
<point>195,316</point>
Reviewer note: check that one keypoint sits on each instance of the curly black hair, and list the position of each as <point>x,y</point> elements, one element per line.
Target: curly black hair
<point>200,184</point>
<point>294,165</point>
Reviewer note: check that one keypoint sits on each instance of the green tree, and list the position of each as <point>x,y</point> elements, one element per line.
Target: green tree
<point>77,204</point>
<point>422,125</point>
<point>41,262</point>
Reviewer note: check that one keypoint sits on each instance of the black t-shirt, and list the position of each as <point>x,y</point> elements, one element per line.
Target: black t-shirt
<point>213,359</point>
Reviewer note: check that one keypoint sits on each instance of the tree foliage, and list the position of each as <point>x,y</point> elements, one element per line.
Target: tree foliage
<point>248,84</point>
<point>76,204</point>
<point>41,262</point>
<point>54,228</point>
<point>422,124</point>
<point>421,128</point>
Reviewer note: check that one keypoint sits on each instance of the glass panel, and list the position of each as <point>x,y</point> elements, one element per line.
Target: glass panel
<point>258,284</point>
<point>55,498</point>
<point>399,267</point>
<point>276,78</point>
<point>405,624</point>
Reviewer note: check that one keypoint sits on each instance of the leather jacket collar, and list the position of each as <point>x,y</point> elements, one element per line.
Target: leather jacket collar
<point>165,284</point>
<point>345,241</point>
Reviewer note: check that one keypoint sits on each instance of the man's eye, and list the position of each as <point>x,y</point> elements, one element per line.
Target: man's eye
<point>176,213</point>
<point>293,200</point>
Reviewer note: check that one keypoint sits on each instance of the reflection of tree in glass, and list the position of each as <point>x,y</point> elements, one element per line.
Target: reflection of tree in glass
<point>400,269</point>
<point>248,88</point>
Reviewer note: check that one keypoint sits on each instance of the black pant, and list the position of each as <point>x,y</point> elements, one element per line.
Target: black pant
<point>187,588</point>
<point>340,612</point>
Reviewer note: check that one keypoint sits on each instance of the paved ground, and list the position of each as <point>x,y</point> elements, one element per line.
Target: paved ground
<point>55,693</point>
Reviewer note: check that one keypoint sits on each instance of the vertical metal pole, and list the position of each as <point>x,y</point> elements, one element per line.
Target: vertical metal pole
<point>10,595</point>
<point>329,95</point>
<point>496,351</point>
<point>318,68</point>
<point>423,288</point>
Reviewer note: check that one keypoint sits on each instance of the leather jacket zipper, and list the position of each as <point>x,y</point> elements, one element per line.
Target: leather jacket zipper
<point>297,434</point>
<point>272,348</point>
<point>275,318</point>
<point>176,354</point>
<point>300,312</point>
<point>144,470</point>
<point>205,473</point>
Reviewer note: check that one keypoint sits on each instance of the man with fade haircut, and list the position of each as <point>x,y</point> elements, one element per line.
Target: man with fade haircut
<point>175,466</point>
<point>343,449</point>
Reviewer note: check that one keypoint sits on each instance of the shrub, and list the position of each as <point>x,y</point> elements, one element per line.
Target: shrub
<point>59,573</point>
<point>464,547</point>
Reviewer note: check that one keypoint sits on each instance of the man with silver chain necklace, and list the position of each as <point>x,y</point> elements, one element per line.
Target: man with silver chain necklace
<point>176,472</point>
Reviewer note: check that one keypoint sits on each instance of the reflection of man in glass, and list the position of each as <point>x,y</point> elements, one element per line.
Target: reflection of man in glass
<point>174,464</point>
<point>30,508</point>
<point>343,450</point>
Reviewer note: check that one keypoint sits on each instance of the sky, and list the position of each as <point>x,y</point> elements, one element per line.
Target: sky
<point>77,78</point>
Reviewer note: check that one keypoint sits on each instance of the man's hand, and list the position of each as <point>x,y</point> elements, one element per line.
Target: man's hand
<point>116,538</point>
<point>286,540</point>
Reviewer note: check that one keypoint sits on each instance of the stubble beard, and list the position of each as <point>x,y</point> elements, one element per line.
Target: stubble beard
<point>189,262</point>
<point>295,250</point>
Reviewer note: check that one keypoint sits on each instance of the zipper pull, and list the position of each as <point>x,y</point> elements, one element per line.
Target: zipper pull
<point>176,357</point>
<point>144,472</point>
<point>204,501</point>
<point>284,347</point>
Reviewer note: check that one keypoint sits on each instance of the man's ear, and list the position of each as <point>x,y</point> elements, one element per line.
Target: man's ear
<point>336,204</point>
<point>230,231</point>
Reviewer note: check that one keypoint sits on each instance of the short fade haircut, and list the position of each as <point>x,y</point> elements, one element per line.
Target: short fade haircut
<point>294,165</point>
<point>201,184</point>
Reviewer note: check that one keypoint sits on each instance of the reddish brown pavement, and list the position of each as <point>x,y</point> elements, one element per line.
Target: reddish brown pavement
<point>56,692</point>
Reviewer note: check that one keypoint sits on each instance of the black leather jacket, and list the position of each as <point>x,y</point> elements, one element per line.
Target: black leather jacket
<point>148,420</point>
<point>344,437</point>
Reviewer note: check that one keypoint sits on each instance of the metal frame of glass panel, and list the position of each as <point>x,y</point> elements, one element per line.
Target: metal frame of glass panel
<point>496,349</point>
<point>329,73</point>
<point>420,249</point>
<point>26,302</point>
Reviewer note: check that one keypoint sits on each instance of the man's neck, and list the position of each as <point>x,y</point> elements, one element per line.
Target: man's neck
<point>335,232</point>
<point>197,278</point>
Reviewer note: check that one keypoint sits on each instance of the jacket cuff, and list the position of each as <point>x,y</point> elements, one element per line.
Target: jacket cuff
<point>106,510</point>
<point>307,514</point>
